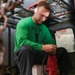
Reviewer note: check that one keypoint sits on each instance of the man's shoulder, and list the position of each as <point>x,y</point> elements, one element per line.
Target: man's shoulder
<point>24,22</point>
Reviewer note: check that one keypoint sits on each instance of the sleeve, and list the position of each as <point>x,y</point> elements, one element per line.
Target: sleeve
<point>22,37</point>
<point>48,38</point>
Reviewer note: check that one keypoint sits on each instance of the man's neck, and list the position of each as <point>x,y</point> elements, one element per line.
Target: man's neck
<point>33,18</point>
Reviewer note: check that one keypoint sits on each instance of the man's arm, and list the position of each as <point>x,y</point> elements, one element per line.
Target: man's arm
<point>49,42</point>
<point>22,39</point>
<point>48,38</point>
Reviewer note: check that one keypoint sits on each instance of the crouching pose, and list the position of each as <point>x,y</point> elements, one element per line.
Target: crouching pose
<point>33,41</point>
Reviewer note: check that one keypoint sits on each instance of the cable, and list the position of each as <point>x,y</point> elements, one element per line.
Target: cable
<point>42,70</point>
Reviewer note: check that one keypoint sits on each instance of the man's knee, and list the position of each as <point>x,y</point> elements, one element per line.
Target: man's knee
<point>25,48</point>
<point>61,51</point>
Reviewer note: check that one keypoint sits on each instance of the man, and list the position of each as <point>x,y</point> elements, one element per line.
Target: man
<point>33,41</point>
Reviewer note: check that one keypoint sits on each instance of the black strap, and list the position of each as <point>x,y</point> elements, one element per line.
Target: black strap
<point>36,35</point>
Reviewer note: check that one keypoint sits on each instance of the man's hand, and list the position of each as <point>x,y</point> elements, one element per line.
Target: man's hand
<point>49,48</point>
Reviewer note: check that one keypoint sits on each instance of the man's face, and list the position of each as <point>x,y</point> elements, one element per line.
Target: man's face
<point>41,14</point>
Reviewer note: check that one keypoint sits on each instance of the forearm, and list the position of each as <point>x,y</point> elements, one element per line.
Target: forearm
<point>49,48</point>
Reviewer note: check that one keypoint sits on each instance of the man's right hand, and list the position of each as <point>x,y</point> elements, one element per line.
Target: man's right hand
<point>49,48</point>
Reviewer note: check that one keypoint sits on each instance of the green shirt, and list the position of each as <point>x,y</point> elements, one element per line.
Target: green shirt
<point>25,34</point>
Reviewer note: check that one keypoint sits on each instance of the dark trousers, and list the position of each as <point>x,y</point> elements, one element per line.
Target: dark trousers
<point>26,57</point>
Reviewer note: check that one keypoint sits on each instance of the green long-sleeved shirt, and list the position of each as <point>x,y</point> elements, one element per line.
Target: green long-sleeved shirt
<point>26,31</point>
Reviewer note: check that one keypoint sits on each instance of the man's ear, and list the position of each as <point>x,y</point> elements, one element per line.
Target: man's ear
<point>35,10</point>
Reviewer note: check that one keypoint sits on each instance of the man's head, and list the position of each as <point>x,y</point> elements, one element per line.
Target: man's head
<point>41,12</point>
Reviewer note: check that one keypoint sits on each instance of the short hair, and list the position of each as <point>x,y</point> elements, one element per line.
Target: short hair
<point>45,4</point>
